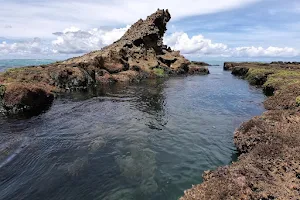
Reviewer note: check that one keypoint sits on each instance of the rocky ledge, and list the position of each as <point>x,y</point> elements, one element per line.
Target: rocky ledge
<point>139,54</point>
<point>268,166</point>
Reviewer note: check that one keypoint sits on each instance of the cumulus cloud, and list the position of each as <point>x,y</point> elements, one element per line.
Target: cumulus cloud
<point>200,46</point>
<point>265,52</point>
<point>74,40</point>
<point>194,45</point>
<point>28,47</point>
<point>56,14</point>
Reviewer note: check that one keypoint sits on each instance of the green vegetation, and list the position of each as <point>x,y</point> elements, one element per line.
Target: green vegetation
<point>275,78</point>
<point>257,73</point>
<point>283,78</point>
<point>298,100</point>
<point>14,70</point>
<point>159,72</point>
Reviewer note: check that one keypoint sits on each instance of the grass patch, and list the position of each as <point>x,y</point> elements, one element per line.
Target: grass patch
<point>159,72</point>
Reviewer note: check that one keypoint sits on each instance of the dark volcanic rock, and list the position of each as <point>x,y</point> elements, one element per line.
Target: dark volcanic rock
<point>141,48</point>
<point>195,69</point>
<point>229,65</point>
<point>26,99</point>
<point>199,63</point>
<point>239,71</point>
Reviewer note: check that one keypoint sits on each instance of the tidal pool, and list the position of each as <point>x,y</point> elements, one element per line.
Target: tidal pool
<point>149,141</point>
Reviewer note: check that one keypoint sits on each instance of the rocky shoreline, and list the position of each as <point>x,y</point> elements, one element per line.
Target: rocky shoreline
<point>269,163</point>
<point>137,55</point>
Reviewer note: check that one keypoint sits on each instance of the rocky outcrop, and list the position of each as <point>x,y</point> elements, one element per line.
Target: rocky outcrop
<point>194,69</point>
<point>239,71</point>
<point>267,169</point>
<point>229,66</point>
<point>285,63</point>
<point>199,63</point>
<point>141,49</point>
<point>26,99</point>
<point>139,53</point>
<point>268,165</point>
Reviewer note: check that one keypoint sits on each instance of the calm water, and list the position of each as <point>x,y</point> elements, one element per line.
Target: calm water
<point>10,63</point>
<point>147,141</point>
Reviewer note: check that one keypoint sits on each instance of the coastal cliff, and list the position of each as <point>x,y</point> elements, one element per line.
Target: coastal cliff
<point>139,54</point>
<point>268,166</point>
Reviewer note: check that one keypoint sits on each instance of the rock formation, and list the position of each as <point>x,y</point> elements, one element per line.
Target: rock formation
<point>139,54</point>
<point>269,162</point>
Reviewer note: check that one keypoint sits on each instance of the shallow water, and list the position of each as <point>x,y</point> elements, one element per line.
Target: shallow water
<point>147,141</point>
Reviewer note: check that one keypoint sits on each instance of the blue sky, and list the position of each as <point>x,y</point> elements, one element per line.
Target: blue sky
<point>225,29</point>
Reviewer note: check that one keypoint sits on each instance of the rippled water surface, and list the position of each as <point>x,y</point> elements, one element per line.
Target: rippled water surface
<point>147,141</point>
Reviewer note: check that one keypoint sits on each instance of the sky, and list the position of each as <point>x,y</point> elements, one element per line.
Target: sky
<point>200,29</point>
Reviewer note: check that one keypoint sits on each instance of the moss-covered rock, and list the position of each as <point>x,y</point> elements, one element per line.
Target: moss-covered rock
<point>240,71</point>
<point>159,72</point>
<point>258,76</point>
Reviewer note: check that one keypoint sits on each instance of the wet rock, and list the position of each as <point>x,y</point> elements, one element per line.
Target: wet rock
<point>194,69</point>
<point>69,77</point>
<point>229,66</point>
<point>239,71</point>
<point>268,166</point>
<point>199,63</point>
<point>26,99</point>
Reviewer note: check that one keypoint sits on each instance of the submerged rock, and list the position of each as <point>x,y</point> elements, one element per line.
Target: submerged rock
<point>194,69</point>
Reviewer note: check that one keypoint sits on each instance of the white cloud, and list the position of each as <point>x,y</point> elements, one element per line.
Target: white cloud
<point>28,47</point>
<point>74,40</point>
<point>200,46</point>
<point>39,18</point>
<point>195,45</point>
<point>265,52</point>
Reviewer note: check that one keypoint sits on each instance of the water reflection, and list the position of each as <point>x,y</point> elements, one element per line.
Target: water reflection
<point>149,141</point>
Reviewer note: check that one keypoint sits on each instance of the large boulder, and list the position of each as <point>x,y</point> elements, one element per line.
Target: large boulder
<point>26,98</point>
